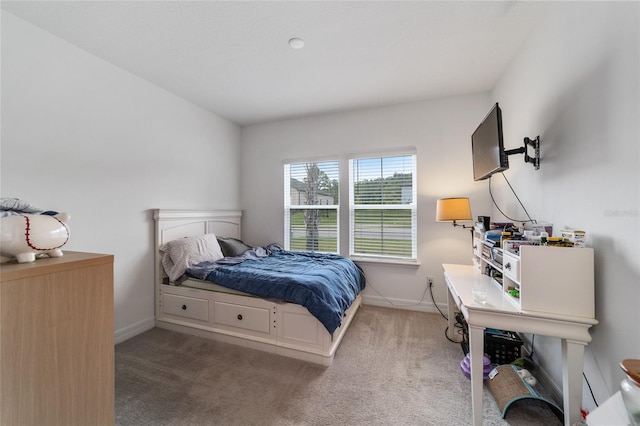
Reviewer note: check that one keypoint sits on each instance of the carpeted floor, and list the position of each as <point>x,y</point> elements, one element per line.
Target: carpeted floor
<point>394,367</point>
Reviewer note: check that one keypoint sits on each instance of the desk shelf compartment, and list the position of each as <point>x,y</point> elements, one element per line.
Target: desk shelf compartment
<point>487,254</point>
<point>556,280</point>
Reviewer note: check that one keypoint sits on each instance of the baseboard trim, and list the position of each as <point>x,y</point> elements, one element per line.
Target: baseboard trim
<point>548,383</point>
<point>545,380</point>
<point>132,330</point>
<point>409,305</point>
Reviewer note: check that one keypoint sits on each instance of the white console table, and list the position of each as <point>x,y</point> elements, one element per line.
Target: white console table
<point>500,312</point>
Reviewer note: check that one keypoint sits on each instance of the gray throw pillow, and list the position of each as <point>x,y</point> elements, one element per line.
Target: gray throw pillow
<point>232,247</point>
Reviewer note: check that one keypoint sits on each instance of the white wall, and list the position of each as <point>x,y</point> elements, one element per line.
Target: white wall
<point>83,136</point>
<point>440,130</point>
<point>576,84</point>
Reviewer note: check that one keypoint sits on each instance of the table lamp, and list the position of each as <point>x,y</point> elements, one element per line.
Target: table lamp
<point>453,209</point>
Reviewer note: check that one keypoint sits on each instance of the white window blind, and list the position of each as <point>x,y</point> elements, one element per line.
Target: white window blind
<point>311,193</point>
<point>382,207</point>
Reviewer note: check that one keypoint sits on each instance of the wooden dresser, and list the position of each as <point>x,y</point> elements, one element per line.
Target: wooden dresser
<point>56,341</point>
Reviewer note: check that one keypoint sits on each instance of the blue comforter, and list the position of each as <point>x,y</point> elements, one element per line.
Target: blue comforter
<point>326,284</point>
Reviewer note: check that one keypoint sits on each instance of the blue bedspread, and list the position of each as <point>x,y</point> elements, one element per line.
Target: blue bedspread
<point>326,284</point>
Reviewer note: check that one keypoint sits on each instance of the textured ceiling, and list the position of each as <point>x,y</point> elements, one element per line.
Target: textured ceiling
<point>233,59</point>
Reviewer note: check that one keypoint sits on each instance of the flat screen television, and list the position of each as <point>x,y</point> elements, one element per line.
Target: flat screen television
<point>487,146</point>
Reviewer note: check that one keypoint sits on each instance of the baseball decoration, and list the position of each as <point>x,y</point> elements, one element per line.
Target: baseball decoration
<point>25,236</point>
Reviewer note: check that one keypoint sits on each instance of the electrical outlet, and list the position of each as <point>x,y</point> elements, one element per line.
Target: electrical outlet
<point>430,281</point>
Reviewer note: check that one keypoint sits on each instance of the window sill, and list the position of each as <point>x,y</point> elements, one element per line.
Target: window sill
<point>386,261</point>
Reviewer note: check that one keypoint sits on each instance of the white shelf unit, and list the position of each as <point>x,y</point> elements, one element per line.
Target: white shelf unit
<point>484,262</point>
<point>550,280</point>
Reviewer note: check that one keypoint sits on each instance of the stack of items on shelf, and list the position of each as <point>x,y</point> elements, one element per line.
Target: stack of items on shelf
<point>489,252</point>
<point>569,238</point>
<point>506,235</point>
<point>573,238</point>
<point>502,232</point>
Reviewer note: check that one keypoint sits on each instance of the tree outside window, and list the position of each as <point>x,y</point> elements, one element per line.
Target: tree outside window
<point>311,206</point>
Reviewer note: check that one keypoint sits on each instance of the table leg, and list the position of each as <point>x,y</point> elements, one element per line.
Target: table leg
<point>476,353</point>
<point>451,306</point>
<point>572,366</point>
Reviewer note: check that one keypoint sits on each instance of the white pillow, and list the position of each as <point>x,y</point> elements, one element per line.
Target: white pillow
<point>180,254</point>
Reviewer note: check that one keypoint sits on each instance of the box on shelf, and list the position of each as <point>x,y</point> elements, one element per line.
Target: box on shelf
<point>496,256</point>
<point>542,227</point>
<point>502,226</point>
<point>493,236</point>
<point>486,250</point>
<point>513,246</point>
<point>574,236</point>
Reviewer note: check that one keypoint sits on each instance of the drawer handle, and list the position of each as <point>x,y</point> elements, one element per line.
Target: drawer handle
<point>240,317</point>
<point>184,307</point>
<point>508,266</point>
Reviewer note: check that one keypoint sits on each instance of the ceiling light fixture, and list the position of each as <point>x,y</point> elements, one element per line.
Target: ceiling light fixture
<point>296,43</point>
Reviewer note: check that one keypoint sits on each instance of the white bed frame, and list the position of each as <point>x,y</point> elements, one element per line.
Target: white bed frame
<point>226,315</point>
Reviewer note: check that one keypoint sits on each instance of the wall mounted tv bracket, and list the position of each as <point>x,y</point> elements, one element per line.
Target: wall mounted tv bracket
<point>535,144</point>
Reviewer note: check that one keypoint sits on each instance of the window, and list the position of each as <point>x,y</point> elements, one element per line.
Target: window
<point>382,207</point>
<point>311,206</point>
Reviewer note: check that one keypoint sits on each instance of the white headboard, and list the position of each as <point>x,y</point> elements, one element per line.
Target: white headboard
<point>173,224</point>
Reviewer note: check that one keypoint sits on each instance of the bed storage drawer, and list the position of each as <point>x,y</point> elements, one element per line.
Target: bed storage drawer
<point>188,307</point>
<point>238,316</point>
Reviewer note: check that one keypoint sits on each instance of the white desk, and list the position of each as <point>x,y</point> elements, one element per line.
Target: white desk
<point>501,313</point>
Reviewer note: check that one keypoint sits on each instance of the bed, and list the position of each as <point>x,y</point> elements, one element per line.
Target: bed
<point>193,304</point>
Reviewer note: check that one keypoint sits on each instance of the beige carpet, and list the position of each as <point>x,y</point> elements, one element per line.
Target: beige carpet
<point>394,367</point>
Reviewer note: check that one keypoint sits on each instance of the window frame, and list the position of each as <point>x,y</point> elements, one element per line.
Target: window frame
<point>289,207</point>
<point>412,206</point>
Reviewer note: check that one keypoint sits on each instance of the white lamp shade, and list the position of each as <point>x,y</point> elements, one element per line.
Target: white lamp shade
<point>453,209</point>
